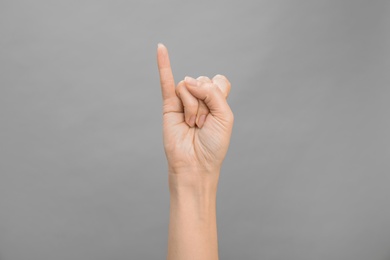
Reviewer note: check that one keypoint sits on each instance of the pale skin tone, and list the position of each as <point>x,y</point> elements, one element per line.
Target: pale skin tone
<point>197,125</point>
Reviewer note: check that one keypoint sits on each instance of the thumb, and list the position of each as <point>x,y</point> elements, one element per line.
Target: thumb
<point>212,96</point>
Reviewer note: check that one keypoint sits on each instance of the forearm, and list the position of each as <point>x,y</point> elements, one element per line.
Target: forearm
<point>192,225</point>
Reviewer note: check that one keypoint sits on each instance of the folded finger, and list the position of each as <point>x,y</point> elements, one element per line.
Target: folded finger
<point>223,83</point>
<point>203,110</point>
<point>214,98</point>
<point>190,103</point>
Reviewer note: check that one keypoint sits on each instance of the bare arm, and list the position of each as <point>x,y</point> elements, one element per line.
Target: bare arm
<point>193,224</point>
<point>197,125</point>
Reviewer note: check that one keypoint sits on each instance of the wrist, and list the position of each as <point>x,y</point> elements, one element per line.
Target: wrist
<point>194,183</point>
<point>194,195</point>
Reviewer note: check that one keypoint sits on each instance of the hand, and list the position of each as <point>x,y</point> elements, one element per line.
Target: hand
<point>195,110</point>
<point>189,148</point>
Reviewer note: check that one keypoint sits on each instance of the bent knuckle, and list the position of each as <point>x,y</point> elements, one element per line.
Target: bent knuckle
<point>203,78</point>
<point>220,77</point>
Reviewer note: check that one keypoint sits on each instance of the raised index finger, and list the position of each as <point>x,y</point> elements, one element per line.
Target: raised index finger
<point>166,77</point>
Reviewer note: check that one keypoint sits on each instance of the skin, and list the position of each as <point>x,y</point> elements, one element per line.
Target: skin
<point>197,125</point>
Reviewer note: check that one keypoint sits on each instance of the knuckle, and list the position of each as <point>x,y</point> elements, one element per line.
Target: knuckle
<point>204,79</point>
<point>206,86</point>
<point>223,78</point>
<point>203,84</point>
<point>219,76</point>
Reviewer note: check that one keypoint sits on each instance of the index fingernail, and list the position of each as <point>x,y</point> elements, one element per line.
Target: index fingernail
<point>191,81</point>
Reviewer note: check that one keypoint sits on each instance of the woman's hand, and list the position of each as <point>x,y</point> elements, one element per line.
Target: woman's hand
<point>197,120</point>
<point>197,124</point>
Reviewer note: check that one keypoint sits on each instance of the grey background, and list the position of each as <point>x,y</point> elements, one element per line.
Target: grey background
<point>83,172</point>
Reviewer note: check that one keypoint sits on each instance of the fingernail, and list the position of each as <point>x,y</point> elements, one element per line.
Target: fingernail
<point>201,120</point>
<point>192,121</point>
<point>191,81</point>
<point>160,45</point>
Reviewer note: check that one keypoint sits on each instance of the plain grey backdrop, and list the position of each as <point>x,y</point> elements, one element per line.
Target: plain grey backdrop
<point>83,171</point>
